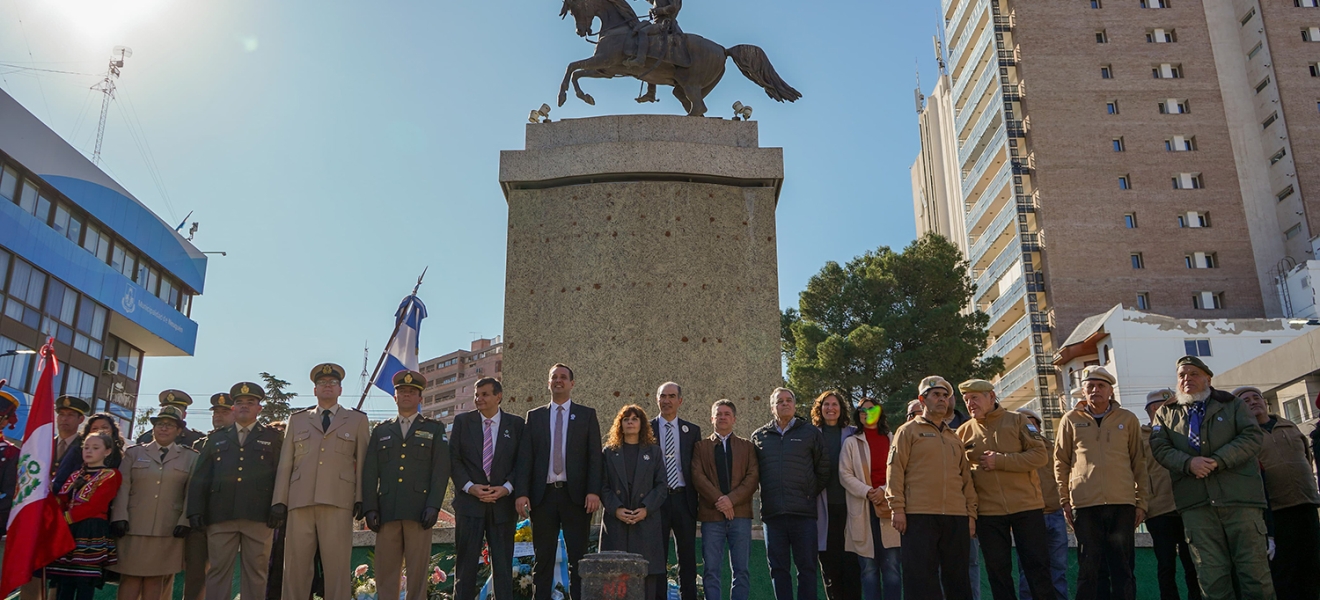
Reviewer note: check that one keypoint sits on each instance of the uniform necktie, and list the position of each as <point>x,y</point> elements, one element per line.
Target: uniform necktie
<point>163,452</point>
<point>325,420</point>
<point>242,435</point>
<point>63,447</point>
<point>1194,415</point>
<point>488,449</point>
<point>557,461</point>
<point>671,456</point>
<point>403,426</point>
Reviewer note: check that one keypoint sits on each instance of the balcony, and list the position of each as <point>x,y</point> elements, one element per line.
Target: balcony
<point>986,199</point>
<point>979,90</point>
<point>985,279</point>
<point>988,73</point>
<point>956,21</point>
<point>1005,221</point>
<point>982,42</point>
<point>1015,335</point>
<point>1007,58</point>
<point>990,152</point>
<point>992,116</point>
<point>1014,380</point>
<point>1007,301</point>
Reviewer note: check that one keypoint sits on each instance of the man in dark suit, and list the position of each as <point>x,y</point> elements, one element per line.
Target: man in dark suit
<point>403,485</point>
<point>559,480</point>
<point>483,452</point>
<point>229,495</point>
<point>679,512</point>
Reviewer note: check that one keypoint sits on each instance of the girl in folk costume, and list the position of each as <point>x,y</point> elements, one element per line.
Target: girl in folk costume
<point>86,498</point>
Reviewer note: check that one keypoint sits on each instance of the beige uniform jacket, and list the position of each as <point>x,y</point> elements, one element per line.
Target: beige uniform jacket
<point>322,467</point>
<point>1161,485</point>
<point>1012,486</point>
<point>1101,463</point>
<point>153,494</point>
<point>1049,488</point>
<point>927,471</point>
<point>1285,458</point>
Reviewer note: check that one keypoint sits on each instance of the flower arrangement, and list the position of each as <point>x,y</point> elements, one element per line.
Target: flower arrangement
<point>438,584</point>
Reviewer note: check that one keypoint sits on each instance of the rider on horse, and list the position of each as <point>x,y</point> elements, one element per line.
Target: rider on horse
<point>664,23</point>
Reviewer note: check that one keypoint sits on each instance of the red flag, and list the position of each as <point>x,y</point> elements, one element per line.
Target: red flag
<point>37,531</point>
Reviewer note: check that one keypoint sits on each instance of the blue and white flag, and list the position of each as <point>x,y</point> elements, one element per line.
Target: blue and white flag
<point>402,353</point>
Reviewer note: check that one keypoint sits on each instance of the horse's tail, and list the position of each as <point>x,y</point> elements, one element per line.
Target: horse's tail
<point>755,65</point>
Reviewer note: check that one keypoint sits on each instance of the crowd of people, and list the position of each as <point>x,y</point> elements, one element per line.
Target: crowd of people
<point>1224,488</point>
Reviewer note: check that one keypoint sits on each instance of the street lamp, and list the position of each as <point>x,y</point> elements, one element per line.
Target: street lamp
<point>14,352</point>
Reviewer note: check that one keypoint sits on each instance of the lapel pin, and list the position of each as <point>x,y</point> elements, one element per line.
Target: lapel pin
<point>572,417</point>
<point>646,457</point>
<point>1120,425</point>
<point>685,429</point>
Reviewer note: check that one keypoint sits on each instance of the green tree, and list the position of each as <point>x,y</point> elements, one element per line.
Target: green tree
<point>277,405</point>
<point>143,423</point>
<point>879,324</point>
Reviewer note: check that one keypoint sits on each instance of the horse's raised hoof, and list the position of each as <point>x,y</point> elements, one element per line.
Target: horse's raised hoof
<point>563,97</point>
<point>588,99</point>
<point>646,98</point>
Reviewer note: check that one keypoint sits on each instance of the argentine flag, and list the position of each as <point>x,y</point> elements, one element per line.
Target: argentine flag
<point>402,353</point>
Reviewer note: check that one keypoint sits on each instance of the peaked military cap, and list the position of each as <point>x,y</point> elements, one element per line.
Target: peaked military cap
<point>246,389</point>
<point>406,378</point>
<point>175,398</point>
<point>1098,373</point>
<point>1159,396</point>
<point>976,385</point>
<point>1195,362</point>
<point>73,403</point>
<point>327,370</point>
<point>221,400</point>
<point>934,381</point>
<point>170,411</point>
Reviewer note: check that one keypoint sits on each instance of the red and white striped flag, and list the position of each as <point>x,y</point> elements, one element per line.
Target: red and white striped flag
<point>37,531</point>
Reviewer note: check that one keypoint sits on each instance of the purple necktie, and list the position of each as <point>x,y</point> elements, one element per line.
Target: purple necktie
<point>557,454</point>
<point>487,450</point>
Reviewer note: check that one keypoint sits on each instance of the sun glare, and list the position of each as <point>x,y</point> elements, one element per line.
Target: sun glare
<point>106,17</point>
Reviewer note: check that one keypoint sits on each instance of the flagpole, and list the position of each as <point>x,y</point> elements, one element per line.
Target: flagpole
<point>398,323</point>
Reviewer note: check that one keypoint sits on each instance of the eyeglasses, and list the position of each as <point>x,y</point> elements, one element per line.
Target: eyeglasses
<point>326,383</point>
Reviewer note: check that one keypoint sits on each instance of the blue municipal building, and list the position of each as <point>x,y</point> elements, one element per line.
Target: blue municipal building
<point>84,262</point>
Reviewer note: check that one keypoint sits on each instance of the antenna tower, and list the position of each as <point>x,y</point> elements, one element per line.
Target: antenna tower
<point>107,87</point>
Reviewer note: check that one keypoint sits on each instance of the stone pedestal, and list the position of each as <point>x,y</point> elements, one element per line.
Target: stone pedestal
<point>613,576</point>
<point>641,249</point>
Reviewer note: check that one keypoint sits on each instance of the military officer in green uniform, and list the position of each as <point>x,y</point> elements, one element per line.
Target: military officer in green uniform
<point>230,496</point>
<point>181,400</point>
<point>195,560</point>
<point>1210,442</point>
<point>403,484</point>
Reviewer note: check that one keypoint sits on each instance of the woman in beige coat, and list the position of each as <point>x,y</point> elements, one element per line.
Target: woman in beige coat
<point>147,514</point>
<point>869,532</point>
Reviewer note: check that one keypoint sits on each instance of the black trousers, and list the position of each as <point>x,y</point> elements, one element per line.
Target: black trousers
<point>1170,545</point>
<point>839,568</point>
<point>997,533</point>
<point>557,512</point>
<point>1106,536</point>
<point>675,517</point>
<point>1296,561</point>
<point>935,552</point>
<point>469,534</point>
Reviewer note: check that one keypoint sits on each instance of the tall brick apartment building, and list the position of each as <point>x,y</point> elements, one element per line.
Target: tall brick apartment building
<point>1157,154</point>
<point>450,378</point>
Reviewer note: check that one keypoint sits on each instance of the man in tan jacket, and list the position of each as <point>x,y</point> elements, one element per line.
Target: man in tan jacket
<point>1004,450</point>
<point>1056,527</point>
<point>318,487</point>
<point>1162,519</point>
<point>929,488</point>
<point>725,471</point>
<point>1100,464</point>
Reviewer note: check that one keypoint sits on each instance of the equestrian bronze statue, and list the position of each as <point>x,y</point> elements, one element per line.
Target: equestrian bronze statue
<point>659,53</point>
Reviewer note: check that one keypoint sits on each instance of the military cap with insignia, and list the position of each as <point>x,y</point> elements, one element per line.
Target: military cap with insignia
<point>247,389</point>
<point>327,370</point>
<point>1159,396</point>
<point>73,403</point>
<point>406,378</point>
<point>221,400</point>
<point>934,381</point>
<point>1098,373</point>
<point>976,385</point>
<point>1196,362</point>
<point>175,398</point>
<point>170,411</point>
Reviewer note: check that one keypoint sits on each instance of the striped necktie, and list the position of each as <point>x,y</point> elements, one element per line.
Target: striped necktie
<point>488,449</point>
<point>671,456</point>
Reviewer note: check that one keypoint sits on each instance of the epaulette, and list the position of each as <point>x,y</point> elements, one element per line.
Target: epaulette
<point>191,449</point>
<point>303,410</point>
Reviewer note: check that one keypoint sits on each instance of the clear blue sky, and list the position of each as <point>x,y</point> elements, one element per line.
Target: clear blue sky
<point>334,149</point>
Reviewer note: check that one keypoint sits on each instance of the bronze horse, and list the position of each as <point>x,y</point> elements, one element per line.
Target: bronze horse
<point>691,83</point>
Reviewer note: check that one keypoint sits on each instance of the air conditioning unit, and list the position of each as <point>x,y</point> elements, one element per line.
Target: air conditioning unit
<point>110,366</point>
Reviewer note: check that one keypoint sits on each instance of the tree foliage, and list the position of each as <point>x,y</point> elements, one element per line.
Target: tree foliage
<point>879,324</point>
<point>277,406</point>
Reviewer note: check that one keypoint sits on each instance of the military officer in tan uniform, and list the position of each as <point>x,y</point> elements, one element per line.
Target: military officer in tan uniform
<point>319,487</point>
<point>147,515</point>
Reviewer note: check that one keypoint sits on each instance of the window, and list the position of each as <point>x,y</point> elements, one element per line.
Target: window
<point>1196,347</point>
<point>1194,220</point>
<point>1274,116</point>
<point>1130,220</point>
<point>1201,260</point>
<point>1095,4</point>
<point>1180,143</point>
<point>1255,50</point>
<point>1124,183</point>
<point>1118,144</point>
<point>1137,262</point>
<point>1288,191</point>
<point>1311,34</point>
<point>1247,17</point>
<point>26,285</point>
<point>1112,107</point>
<point>78,383</point>
<point>1143,301</point>
<point>90,327</point>
<point>1188,181</point>
<point>1314,68</point>
<point>1155,3</point>
<point>1264,83</point>
<point>1101,37</point>
<point>1306,3</point>
<point>67,223</point>
<point>1161,36</point>
<point>15,368</point>
<point>9,184</point>
<point>33,203</point>
<point>1293,232</point>
<point>96,242</point>
<point>1278,156</point>
<point>1106,72</point>
<point>1208,300</point>
<point>1166,71</point>
<point>1174,107</point>
<point>128,357</point>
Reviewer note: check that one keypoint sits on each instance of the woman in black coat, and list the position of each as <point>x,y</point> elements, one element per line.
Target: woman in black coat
<point>635,488</point>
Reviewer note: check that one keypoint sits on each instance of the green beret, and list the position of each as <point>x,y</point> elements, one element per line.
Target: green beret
<point>170,411</point>
<point>221,400</point>
<point>976,385</point>
<point>327,370</point>
<point>247,389</point>
<point>1195,362</point>
<point>73,403</point>
<point>175,398</point>
<point>412,379</point>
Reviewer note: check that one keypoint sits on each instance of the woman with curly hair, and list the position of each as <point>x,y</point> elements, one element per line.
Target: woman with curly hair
<point>635,488</point>
<point>85,499</point>
<point>838,567</point>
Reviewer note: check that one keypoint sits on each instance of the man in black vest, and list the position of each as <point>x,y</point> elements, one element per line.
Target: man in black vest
<point>483,450</point>
<point>559,480</point>
<point>679,512</point>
